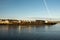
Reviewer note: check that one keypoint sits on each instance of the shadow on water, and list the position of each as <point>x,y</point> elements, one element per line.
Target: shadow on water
<point>28,32</point>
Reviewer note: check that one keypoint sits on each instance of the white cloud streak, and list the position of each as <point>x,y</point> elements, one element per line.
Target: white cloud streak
<point>48,11</point>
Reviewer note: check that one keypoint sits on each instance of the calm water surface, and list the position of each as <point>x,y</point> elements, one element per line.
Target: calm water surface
<point>15,32</point>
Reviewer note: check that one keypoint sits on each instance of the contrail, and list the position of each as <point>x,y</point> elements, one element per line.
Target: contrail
<point>47,7</point>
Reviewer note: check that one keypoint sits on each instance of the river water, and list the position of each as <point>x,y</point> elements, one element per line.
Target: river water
<point>16,32</point>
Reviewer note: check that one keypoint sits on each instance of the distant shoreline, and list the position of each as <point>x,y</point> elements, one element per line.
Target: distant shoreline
<point>25,22</point>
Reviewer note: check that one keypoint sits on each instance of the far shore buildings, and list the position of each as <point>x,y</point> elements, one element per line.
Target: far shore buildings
<point>8,21</point>
<point>24,22</point>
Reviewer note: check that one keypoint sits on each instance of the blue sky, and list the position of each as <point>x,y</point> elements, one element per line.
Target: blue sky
<point>29,8</point>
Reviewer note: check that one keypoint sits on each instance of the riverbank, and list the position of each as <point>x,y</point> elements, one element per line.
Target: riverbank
<point>25,22</point>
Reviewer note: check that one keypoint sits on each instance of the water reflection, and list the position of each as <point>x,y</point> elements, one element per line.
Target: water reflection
<point>30,32</point>
<point>27,28</point>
